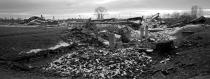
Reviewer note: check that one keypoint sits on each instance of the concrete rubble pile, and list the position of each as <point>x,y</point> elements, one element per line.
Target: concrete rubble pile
<point>35,20</point>
<point>192,33</point>
<point>90,62</point>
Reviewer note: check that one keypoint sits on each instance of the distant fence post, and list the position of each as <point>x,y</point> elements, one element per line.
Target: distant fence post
<point>146,31</point>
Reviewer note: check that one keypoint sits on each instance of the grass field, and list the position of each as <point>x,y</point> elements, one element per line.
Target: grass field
<point>14,40</point>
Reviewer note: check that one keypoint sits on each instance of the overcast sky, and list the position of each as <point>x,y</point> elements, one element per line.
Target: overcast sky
<point>85,8</point>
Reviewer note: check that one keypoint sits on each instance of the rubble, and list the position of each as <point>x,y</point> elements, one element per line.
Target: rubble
<point>77,35</point>
<point>122,62</point>
<point>93,59</point>
<point>200,20</point>
<point>101,63</point>
<point>35,20</point>
<point>189,31</point>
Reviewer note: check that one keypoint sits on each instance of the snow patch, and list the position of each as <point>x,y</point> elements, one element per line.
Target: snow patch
<point>34,50</point>
<point>60,44</point>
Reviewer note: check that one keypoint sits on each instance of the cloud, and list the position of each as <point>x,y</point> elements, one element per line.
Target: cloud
<point>105,1</point>
<point>72,8</point>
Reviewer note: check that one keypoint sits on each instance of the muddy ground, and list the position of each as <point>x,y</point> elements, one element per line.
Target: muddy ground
<point>191,61</point>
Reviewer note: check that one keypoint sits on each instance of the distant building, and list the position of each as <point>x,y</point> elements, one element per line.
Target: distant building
<point>76,20</point>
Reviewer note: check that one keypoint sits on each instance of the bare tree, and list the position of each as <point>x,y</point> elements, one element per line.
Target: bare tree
<point>200,12</point>
<point>100,12</point>
<point>196,11</point>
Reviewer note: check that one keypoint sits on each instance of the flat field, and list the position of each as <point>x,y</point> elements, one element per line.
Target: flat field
<point>14,40</point>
